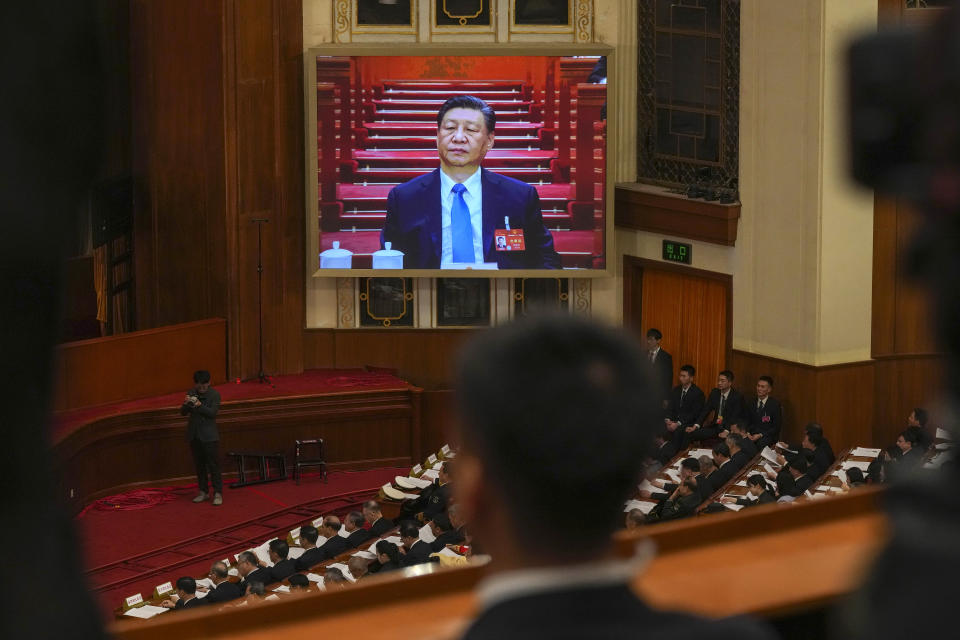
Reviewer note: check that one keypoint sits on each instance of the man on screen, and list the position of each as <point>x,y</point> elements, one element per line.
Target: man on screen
<point>451,215</point>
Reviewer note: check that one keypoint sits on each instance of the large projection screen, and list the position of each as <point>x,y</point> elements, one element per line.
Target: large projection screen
<point>382,172</point>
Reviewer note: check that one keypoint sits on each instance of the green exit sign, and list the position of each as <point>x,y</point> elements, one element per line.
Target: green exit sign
<point>677,251</point>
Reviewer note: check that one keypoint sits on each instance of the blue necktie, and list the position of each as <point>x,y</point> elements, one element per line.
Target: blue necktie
<point>461,229</point>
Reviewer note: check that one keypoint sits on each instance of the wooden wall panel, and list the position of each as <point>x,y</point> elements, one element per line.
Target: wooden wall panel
<point>692,308</point>
<point>139,364</point>
<point>177,157</point>
<point>903,383</point>
<point>437,419</point>
<point>846,398</point>
<point>361,429</point>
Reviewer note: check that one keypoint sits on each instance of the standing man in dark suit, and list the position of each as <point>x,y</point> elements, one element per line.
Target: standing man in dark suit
<point>724,405</point>
<point>661,362</point>
<point>684,405</point>
<point>551,581</point>
<point>451,215</point>
<point>223,590</point>
<point>765,415</point>
<point>201,404</point>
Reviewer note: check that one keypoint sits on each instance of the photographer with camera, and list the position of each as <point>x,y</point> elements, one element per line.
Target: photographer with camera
<point>201,404</point>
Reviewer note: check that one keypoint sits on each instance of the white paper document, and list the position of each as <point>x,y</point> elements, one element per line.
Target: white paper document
<point>296,552</point>
<point>233,572</point>
<point>769,454</point>
<point>448,552</point>
<point>647,486</point>
<point>645,507</point>
<point>742,483</point>
<point>734,507</point>
<point>943,434</point>
<point>344,570</point>
<point>282,589</point>
<point>366,555</point>
<point>865,452</point>
<point>850,464</point>
<point>411,483</point>
<point>272,596</point>
<point>394,539</point>
<point>426,534</point>
<point>206,582</point>
<point>769,469</point>
<point>696,453</point>
<point>673,475</point>
<point>840,473</point>
<point>315,577</point>
<point>145,612</point>
<point>431,474</point>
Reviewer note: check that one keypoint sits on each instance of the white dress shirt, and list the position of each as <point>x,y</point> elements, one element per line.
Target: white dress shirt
<point>473,196</point>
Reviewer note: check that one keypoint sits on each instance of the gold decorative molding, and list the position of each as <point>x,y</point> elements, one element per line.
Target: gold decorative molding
<point>581,296</point>
<point>346,301</point>
<point>342,19</point>
<point>584,20</point>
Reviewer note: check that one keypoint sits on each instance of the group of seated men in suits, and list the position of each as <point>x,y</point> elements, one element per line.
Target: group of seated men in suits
<point>432,507</point>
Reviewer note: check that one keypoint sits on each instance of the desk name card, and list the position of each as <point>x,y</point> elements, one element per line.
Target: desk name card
<point>163,589</point>
<point>133,601</point>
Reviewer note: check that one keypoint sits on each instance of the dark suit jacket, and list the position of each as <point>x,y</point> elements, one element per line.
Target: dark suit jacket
<point>454,536</point>
<point>732,411</point>
<point>380,527</point>
<point>414,219</point>
<point>604,613</point>
<point>706,485</point>
<point>334,546</point>
<point>822,459</point>
<point>357,538</point>
<point>202,424</point>
<point>224,592</point>
<point>684,409</point>
<point>662,372</point>
<point>189,604</point>
<point>666,453</point>
<point>787,485</point>
<point>310,558</point>
<point>739,460</point>
<point>681,507</point>
<point>722,475</point>
<point>260,574</point>
<point>749,447</point>
<point>766,421</point>
<point>283,569</point>
<point>418,553</point>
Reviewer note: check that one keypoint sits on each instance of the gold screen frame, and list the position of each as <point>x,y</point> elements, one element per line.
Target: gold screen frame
<point>312,229</point>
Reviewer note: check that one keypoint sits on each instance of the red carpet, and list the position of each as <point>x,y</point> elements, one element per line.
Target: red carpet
<point>111,536</point>
<point>312,382</point>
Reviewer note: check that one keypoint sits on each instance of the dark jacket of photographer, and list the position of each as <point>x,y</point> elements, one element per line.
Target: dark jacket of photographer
<point>203,424</point>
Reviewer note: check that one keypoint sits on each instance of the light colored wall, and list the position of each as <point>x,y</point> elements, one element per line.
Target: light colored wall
<point>802,264</point>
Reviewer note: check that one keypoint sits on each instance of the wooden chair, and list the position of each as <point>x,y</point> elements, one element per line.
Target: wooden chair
<point>300,461</point>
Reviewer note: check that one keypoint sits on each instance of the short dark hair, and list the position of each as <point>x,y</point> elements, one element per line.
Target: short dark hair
<point>332,522</point>
<point>736,439</point>
<point>636,516</point>
<point>187,584</point>
<point>442,521</point>
<point>309,533</point>
<point>691,483</point>
<point>389,549</point>
<point>921,416</point>
<point>280,547</point>
<point>721,449</point>
<point>692,464</point>
<point>798,463</point>
<point>201,376</point>
<point>689,368</point>
<point>726,373</point>
<point>911,436</point>
<point>469,102</point>
<point>256,588</point>
<point>766,379</point>
<point>248,556</point>
<point>299,580</point>
<point>814,433</point>
<point>757,480</point>
<point>572,373</point>
<point>219,569</point>
<point>655,334</point>
<point>356,518</point>
<point>448,467</point>
<point>739,424</point>
<point>855,476</point>
<point>409,530</point>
